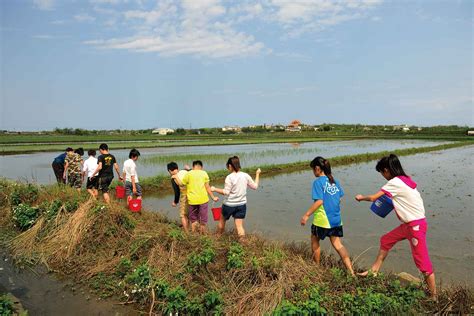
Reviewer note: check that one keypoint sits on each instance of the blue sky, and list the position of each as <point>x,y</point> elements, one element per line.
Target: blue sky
<point>132,64</point>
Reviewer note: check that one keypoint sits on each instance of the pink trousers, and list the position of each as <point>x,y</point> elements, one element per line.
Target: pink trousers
<point>415,232</point>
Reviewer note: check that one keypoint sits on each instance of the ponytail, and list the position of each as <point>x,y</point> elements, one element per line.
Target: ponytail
<point>234,162</point>
<point>325,167</point>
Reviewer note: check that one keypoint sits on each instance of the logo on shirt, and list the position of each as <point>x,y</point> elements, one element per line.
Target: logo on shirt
<point>330,188</point>
<point>108,161</point>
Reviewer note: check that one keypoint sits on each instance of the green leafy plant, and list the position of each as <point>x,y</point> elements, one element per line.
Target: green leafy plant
<point>309,306</point>
<point>123,267</point>
<point>24,194</point>
<point>235,256</point>
<point>53,209</point>
<point>213,302</point>
<point>202,258</point>
<point>176,234</point>
<point>25,216</point>
<point>6,306</point>
<point>139,282</point>
<point>71,205</point>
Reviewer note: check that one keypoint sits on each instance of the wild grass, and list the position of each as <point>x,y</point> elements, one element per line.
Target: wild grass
<point>147,260</point>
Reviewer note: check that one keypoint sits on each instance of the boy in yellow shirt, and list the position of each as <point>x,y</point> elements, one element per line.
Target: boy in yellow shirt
<point>197,190</point>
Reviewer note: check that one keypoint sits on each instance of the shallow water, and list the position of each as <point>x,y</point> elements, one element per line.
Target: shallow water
<point>37,167</point>
<point>445,180</point>
<point>43,294</point>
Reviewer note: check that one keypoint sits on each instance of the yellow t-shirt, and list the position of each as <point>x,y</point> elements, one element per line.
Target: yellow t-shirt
<point>196,192</point>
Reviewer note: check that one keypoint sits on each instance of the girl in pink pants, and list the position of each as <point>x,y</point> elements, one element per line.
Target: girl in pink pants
<point>410,210</point>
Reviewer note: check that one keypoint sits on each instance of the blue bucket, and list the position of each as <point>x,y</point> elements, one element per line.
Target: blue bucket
<point>382,206</point>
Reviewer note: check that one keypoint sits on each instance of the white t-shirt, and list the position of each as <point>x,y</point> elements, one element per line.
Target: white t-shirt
<point>89,166</point>
<point>406,199</point>
<point>130,169</point>
<point>235,188</point>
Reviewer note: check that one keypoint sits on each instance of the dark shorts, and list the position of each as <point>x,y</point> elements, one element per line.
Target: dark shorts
<point>129,188</point>
<point>91,184</point>
<point>198,213</point>
<point>235,211</point>
<point>322,233</point>
<point>103,184</point>
<point>58,169</point>
<point>74,180</point>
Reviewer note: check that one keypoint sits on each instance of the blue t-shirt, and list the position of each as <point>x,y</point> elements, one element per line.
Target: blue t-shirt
<point>60,159</point>
<point>327,215</point>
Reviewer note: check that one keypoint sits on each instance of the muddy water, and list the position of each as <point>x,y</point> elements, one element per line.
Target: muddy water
<point>445,180</point>
<point>37,167</point>
<point>43,294</point>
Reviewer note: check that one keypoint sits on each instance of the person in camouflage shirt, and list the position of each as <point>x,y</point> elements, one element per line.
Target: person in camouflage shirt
<point>73,168</point>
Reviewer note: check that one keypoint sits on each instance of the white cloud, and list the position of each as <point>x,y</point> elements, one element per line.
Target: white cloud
<point>84,17</point>
<point>193,28</point>
<point>301,16</point>
<point>213,28</point>
<point>44,4</point>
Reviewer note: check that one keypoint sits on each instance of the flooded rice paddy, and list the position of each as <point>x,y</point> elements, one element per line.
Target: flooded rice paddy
<point>37,167</point>
<point>445,180</point>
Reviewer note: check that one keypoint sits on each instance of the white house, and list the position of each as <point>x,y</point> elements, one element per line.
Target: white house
<point>232,128</point>
<point>163,131</point>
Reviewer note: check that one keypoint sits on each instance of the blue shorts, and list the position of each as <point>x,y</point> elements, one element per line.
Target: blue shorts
<point>235,211</point>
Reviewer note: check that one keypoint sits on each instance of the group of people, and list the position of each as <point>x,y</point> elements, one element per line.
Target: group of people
<point>70,168</point>
<point>192,191</point>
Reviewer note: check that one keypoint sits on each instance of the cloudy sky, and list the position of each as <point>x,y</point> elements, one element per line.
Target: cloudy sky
<point>146,63</point>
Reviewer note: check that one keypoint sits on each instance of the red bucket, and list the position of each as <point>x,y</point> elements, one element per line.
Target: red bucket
<point>216,213</point>
<point>135,205</point>
<point>120,192</point>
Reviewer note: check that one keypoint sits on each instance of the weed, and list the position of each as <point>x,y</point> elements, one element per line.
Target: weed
<point>23,194</point>
<point>103,285</point>
<point>6,306</point>
<point>176,234</point>
<point>202,258</point>
<point>123,267</point>
<point>25,216</point>
<point>235,257</point>
<point>139,282</point>
<point>175,300</point>
<point>213,302</point>
<point>310,306</point>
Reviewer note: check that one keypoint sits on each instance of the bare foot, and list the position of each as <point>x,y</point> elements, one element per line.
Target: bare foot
<point>367,273</point>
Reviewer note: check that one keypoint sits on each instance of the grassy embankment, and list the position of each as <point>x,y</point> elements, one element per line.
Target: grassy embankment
<point>16,144</point>
<point>161,183</point>
<point>146,260</point>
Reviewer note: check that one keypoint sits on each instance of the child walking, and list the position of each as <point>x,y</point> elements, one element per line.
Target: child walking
<point>197,190</point>
<point>235,191</point>
<point>408,206</point>
<point>89,167</point>
<point>179,192</point>
<point>327,194</point>
<point>130,176</point>
<point>106,163</point>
